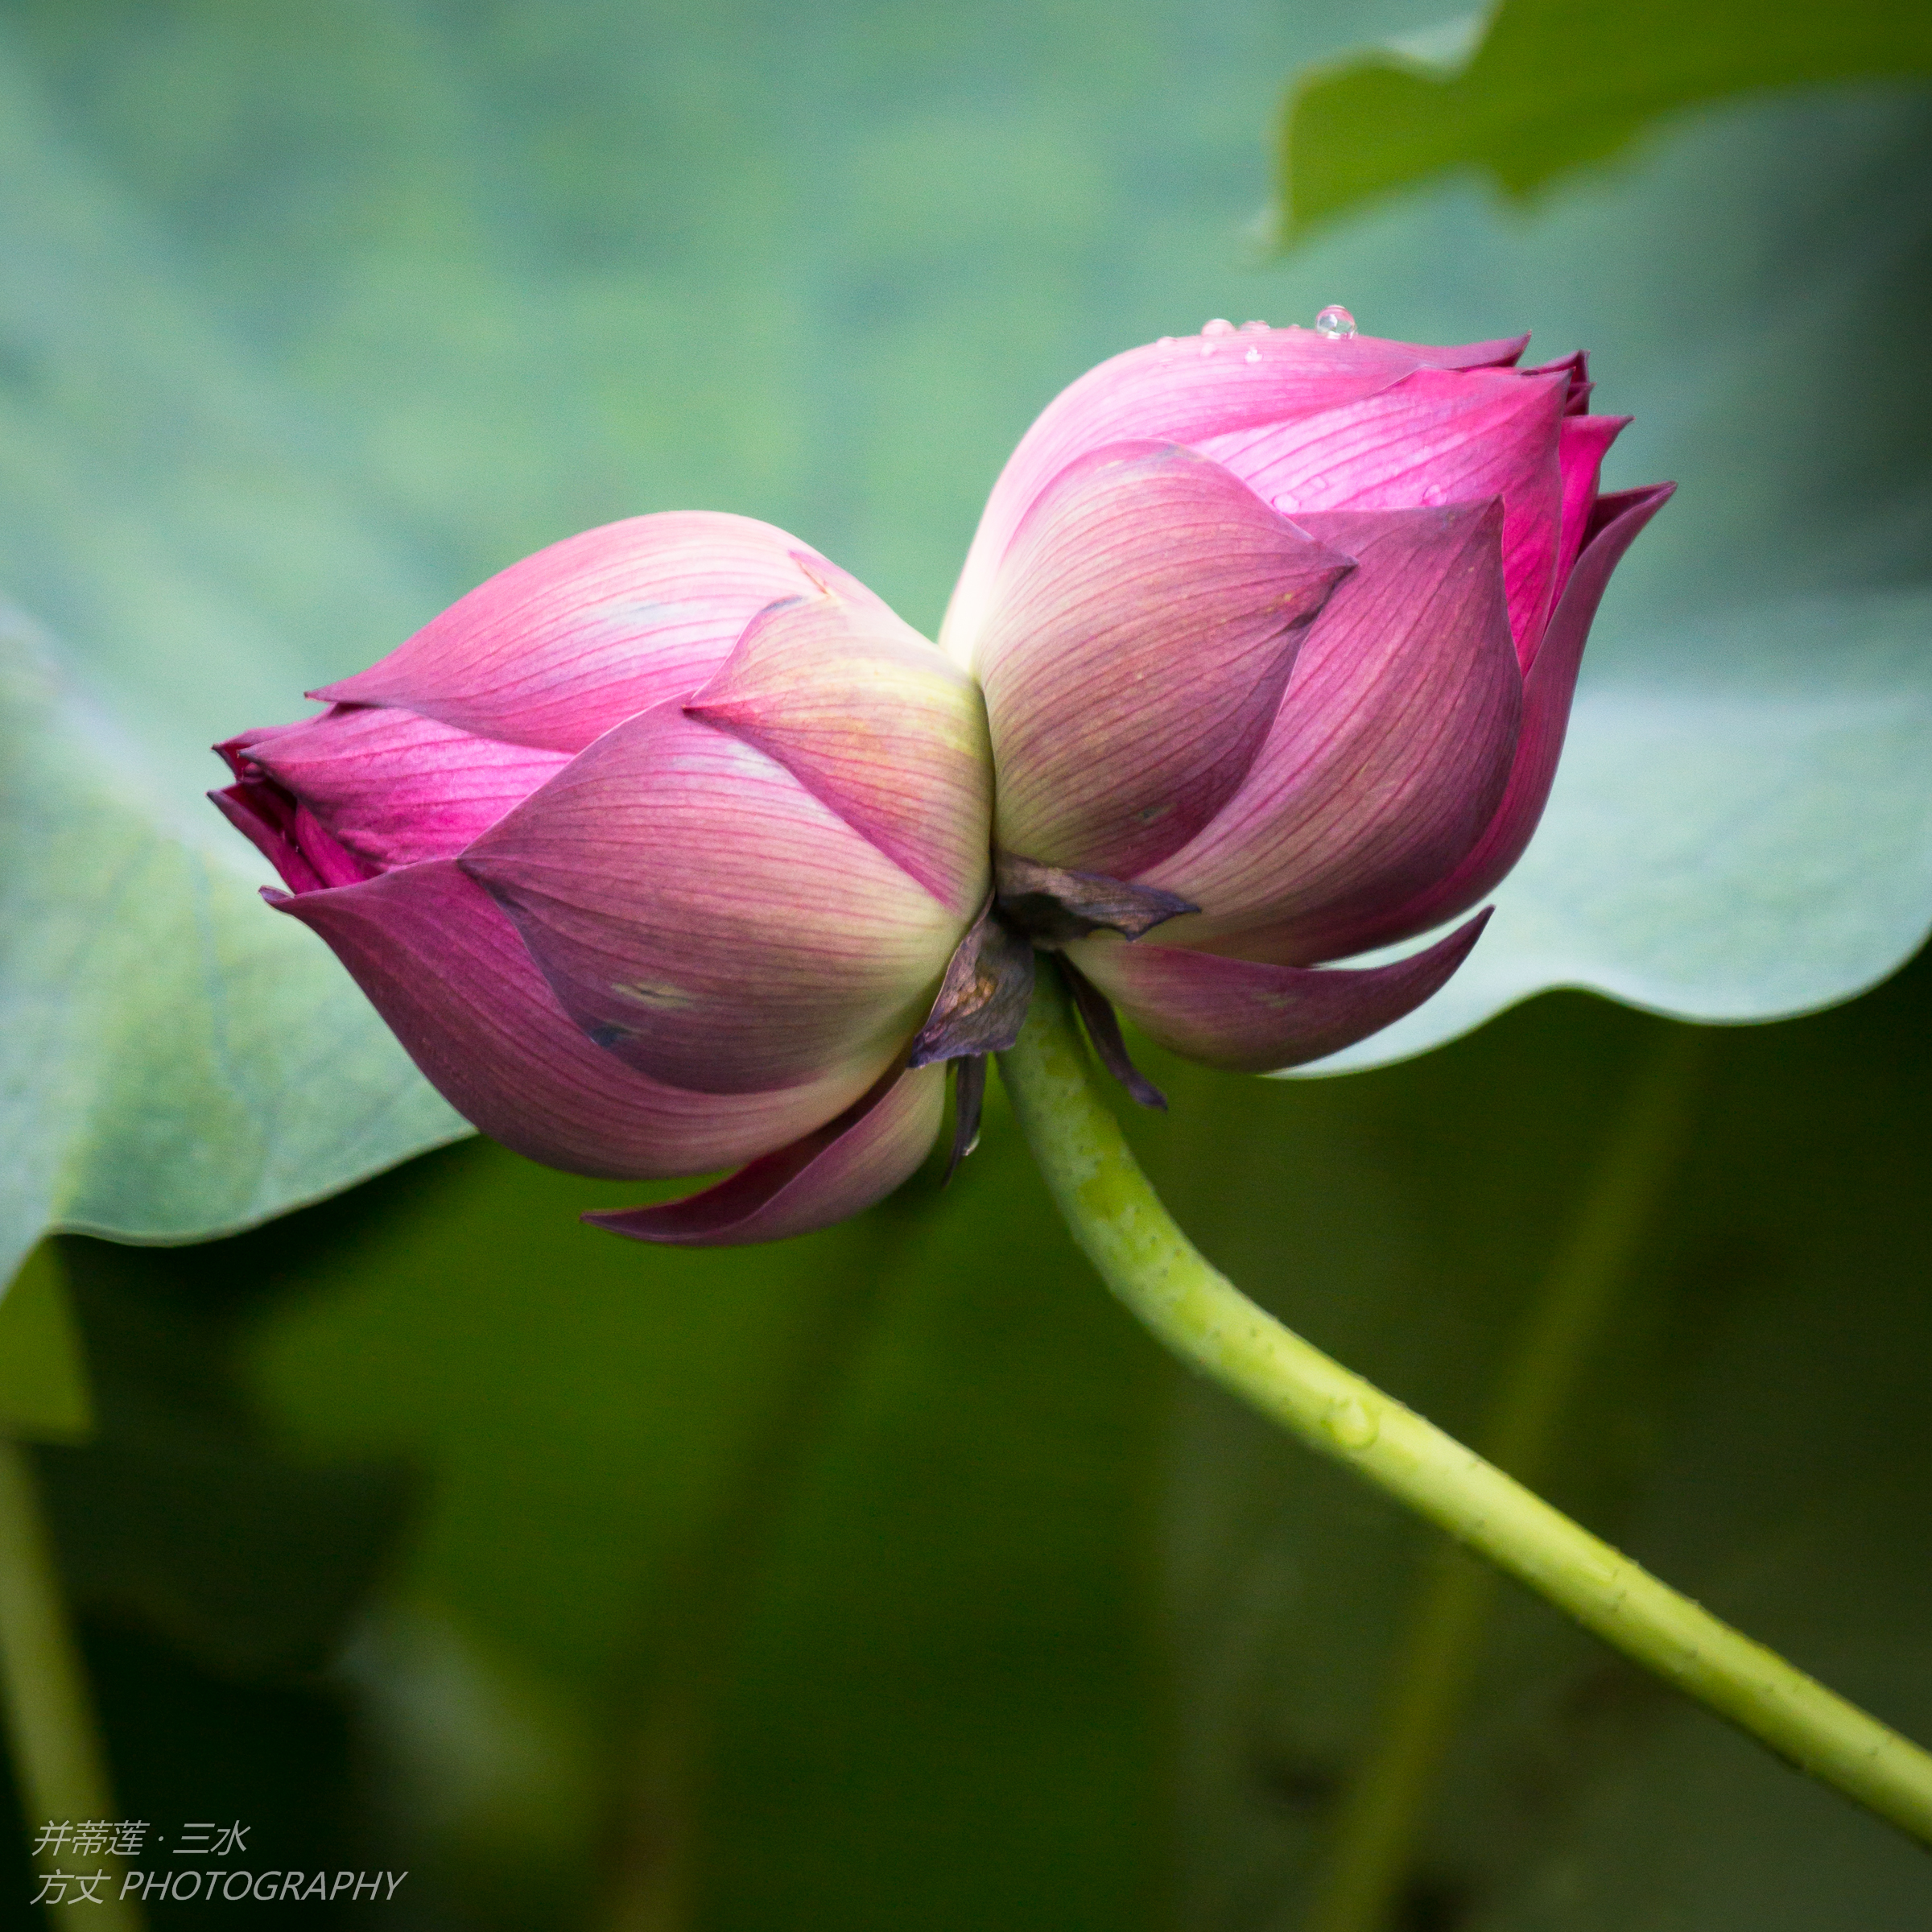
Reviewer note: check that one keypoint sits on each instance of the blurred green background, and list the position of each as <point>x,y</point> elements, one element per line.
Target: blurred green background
<point>891,1578</point>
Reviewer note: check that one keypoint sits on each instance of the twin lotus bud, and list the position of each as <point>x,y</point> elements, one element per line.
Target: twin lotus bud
<point>672,848</point>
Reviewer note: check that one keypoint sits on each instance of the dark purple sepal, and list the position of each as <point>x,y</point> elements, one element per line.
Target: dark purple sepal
<point>1053,907</point>
<point>969,1103</point>
<point>1104,1029</point>
<point>982,1000</point>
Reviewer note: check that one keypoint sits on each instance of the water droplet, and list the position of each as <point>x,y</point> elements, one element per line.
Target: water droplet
<point>1253,355</point>
<point>1208,345</point>
<point>1165,342</point>
<point>1335,322</point>
<point>1257,328</point>
<point>1220,326</point>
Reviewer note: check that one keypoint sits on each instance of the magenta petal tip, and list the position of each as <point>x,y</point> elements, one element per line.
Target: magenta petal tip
<point>1251,1017</point>
<point>840,1170</point>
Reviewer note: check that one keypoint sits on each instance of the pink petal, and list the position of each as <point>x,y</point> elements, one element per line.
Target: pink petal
<point>446,970</point>
<point>1141,632</point>
<point>1439,436</point>
<point>1390,752</point>
<point>265,814</point>
<point>875,722</point>
<point>558,648</point>
<point>1582,443</point>
<point>1251,1017</point>
<point>1184,390</point>
<point>699,913</point>
<point>1546,695</point>
<point>391,787</point>
<point>1575,370</point>
<point>288,835</point>
<point>839,1170</point>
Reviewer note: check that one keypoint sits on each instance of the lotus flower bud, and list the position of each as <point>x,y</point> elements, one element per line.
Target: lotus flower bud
<point>1279,630</point>
<point>671,847</point>
<point>653,851</point>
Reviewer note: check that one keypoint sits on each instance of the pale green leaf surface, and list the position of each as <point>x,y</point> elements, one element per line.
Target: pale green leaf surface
<point>1542,86</point>
<point>176,1061</point>
<point>173,1061</point>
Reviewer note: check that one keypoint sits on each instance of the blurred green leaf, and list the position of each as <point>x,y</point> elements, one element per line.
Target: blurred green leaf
<point>937,1699</point>
<point>44,1389</point>
<point>1537,86</point>
<point>183,1516</point>
<point>174,1062</point>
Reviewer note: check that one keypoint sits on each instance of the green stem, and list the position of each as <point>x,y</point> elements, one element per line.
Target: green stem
<point>49,1716</point>
<point>1144,1257</point>
<point>1374,1833</point>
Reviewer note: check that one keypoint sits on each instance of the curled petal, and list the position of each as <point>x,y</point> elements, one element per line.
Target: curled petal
<point>1436,437</point>
<point>1184,390</point>
<point>1389,755</point>
<point>876,722</point>
<point>836,1171</point>
<point>447,973</point>
<point>1583,442</point>
<point>391,787</point>
<point>1142,632</point>
<point>558,648</point>
<point>703,916</point>
<point>1546,696</point>
<point>1252,1017</point>
<point>1575,370</point>
<point>287,835</point>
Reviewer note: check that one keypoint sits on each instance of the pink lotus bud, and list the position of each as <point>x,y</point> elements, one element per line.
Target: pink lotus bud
<point>652,850</point>
<point>1279,630</point>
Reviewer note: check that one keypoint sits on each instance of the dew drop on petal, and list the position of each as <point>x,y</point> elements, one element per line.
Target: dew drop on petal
<point>1254,328</point>
<point>1220,326</point>
<point>1335,322</point>
<point>1165,342</point>
<point>1253,355</point>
